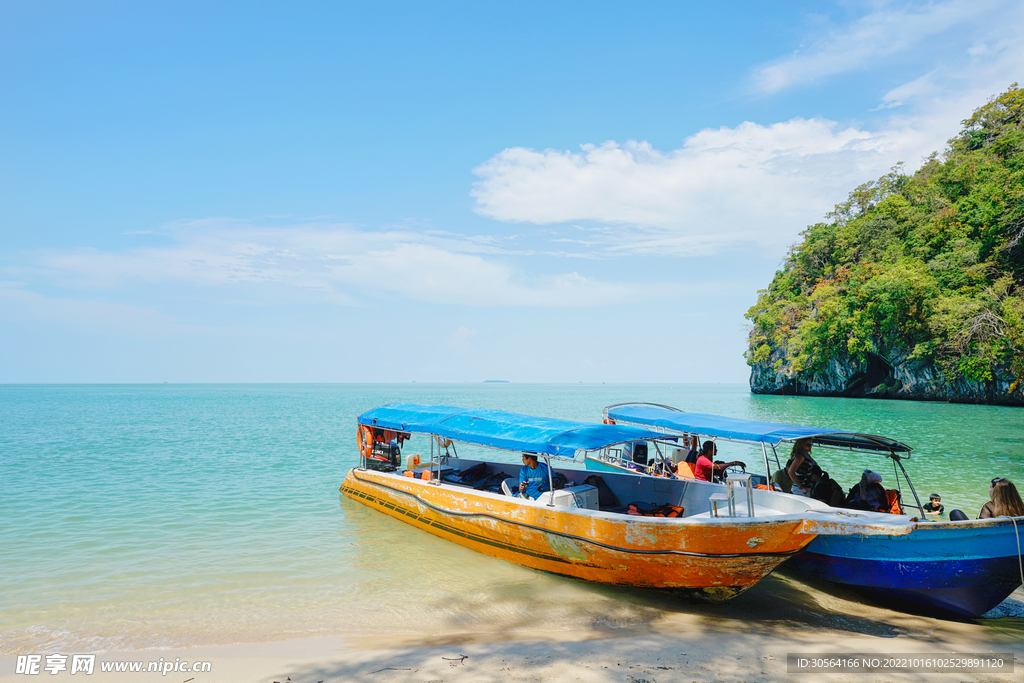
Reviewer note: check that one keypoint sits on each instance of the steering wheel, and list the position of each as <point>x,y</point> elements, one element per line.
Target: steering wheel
<point>732,469</point>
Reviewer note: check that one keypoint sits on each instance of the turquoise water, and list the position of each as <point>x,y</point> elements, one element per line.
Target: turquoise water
<point>174,515</point>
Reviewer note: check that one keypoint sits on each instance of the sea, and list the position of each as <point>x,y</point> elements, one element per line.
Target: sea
<point>147,516</point>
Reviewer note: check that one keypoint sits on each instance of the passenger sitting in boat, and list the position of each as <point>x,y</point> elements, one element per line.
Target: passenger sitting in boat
<point>694,444</point>
<point>798,468</point>
<point>826,489</point>
<point>1005,501</point>
<point>934,505</point>
<point>705,468</point>
<point>868,494</point>
<point>532,476</point>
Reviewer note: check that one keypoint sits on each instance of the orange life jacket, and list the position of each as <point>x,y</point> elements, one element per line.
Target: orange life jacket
<point>684,470</point>
<point>892,499</point>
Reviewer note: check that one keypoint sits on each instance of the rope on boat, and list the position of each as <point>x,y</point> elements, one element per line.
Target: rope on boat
<point>1020,560</point>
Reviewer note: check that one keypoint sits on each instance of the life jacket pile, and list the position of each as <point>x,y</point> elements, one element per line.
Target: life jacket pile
<point>654,510</point>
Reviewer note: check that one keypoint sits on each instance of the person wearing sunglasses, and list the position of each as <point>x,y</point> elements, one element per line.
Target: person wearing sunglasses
<point>1005,501</point>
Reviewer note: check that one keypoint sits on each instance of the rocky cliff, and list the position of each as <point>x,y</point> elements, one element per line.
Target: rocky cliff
<point>914,287</point>
<point>893,377</point>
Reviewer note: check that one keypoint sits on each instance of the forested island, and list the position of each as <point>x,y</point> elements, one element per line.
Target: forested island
<point>914,286</point>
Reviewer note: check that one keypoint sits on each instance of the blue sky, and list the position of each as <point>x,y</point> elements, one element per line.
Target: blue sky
<point>364,192</point>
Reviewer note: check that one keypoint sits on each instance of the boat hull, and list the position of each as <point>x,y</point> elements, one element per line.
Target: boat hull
<point>949,568</point>
<point>716,559</point>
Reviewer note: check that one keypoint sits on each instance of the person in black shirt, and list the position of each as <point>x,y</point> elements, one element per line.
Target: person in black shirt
<point>934,505</point>
<point>826,489</point>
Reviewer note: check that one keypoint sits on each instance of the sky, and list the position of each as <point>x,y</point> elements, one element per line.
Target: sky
<point>449,191</point>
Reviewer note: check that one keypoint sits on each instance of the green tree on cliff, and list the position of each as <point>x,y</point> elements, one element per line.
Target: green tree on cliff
<point>928,267</point>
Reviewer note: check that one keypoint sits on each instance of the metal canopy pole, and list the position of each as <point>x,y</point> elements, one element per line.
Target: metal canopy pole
<point>439,457</point>
<point>551,482</point>
<point>660,460</point>
<point>767,468</point>
<point>362,449</point>
<point>909,483</point>
<point>431,466</point>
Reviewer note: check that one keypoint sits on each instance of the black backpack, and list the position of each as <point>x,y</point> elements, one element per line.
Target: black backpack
<point>558,479</point>
<point>492,483</point>
<point>474,474</point>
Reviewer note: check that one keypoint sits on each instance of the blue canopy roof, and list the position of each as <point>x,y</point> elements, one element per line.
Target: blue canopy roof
<point>674,421</point>
<point>508,431</point>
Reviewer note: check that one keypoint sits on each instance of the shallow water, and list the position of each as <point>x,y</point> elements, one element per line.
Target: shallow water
<point>174,515</point>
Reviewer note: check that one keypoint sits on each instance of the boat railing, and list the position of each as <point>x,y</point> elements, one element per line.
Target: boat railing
<point>899,471</point>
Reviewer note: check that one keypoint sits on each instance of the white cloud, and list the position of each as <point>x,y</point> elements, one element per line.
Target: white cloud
<point>322,262</point>
<point>751,183</point>
<point>880,34</point>
<point>917,88</point>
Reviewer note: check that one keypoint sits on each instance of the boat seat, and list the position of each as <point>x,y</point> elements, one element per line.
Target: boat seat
<point>744,482</point>
<point>715,499</point>
<point>505,489</point>
<point>445,469</point>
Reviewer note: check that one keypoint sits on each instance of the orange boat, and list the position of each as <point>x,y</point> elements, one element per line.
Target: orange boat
<point>615,528</point>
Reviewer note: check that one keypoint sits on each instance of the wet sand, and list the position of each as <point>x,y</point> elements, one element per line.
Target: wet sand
<point>747,639</point>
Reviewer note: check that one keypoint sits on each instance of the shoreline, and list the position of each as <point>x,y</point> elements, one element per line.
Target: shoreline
<point>744,639</point>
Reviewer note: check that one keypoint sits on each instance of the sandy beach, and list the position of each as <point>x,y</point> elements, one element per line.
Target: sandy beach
<point>747,639</point>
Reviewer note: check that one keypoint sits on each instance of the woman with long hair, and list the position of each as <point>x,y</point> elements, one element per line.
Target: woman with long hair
<point>798,468</point>
<point>1005,501</point>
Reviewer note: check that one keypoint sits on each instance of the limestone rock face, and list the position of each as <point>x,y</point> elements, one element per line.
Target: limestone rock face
<point>895,376</point>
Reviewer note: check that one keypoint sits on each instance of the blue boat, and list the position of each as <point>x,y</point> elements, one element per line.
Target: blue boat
<point>960,569</point>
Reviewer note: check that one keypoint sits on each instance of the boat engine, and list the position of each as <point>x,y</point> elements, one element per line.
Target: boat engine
<point>384,457</point>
